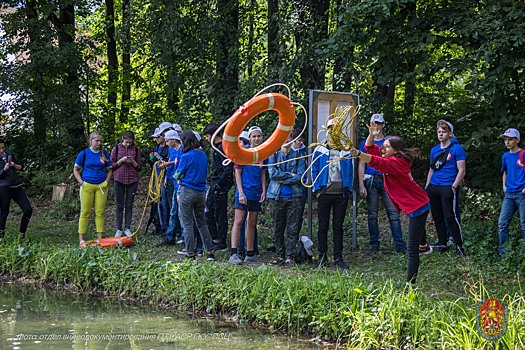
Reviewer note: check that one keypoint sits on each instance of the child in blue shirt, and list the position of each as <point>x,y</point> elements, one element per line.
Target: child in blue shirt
<point>514,187</point>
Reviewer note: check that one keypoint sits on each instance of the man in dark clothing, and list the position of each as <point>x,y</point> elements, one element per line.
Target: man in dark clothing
<point>221,179</point>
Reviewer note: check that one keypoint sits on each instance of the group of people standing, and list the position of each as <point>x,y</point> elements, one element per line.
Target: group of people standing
<point>192,203</point>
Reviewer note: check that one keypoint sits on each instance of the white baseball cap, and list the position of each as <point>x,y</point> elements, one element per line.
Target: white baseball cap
<point>330,122</point>
<point>197,136</point>
<point>176,127</point>
<point>308,244</point>
<point>156,133</point>
<point>377,118</point>
<point>245,135</point>
<point>252,129</point>
<point>172,135</point>
<point>511,132</point>
<point>448,123</point>
<point>164,126</point>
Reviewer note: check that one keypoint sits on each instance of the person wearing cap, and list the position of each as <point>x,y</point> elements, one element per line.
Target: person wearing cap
<point>125,157</point>
<point>250,193</point>
<point>191,175</point>
<point>395,162</point>
<point>371,186</point>
<point>174,230</point>
<point>221,181</point>
<point>285,192</point>
<point>160,153</point>
<point>512,166</point>
<point>332,176</point>
<point>443,181</point>
<point>244,139</point>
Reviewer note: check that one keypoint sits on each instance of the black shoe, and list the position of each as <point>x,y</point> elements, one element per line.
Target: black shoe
<point>440,248</point>
<point>341,264</point>
<point>374,249</point>
<point>271,249</point>
<point>460,252</point>
<point>166,243</point>
<point>438,244</point>
<point>402,250</point>
<point>220,247</point>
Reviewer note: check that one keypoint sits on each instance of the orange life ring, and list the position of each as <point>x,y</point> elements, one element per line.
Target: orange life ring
<point>241,118</point>
<point>109,242</point>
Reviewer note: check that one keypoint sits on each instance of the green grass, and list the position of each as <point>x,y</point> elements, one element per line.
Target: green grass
<point>362,308</point>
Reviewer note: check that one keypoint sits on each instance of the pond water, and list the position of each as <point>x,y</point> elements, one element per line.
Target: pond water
<point>36,318</point>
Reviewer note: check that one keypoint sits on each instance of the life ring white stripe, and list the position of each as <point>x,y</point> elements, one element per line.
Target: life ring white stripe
<point>271,101</point>
<point>285,127</point>
<point>255,155</point>
<point>230,138</point>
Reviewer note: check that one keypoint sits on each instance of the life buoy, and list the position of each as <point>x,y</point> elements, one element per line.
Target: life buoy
<point>241,118</point>
<point>109,242</point>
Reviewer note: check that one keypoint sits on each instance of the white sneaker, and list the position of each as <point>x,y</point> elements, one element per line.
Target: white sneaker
<point>127,232</point>
<point>182,252</point>
<point>248,259</point>
<point>234,259</point>
<point>180,241</point>
<point>118,233</point>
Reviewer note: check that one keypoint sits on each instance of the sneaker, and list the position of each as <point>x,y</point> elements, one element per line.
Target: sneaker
<point>289,263</point>
<point>128,233</point>
<point>253,258</point>
<point>450,242</point>
<point>374,249</point>
<point>180,241</point>
<point>425,249</point>
<point>118,233</point>
<point>402,250</point>
<point>182,252</point>
<point>441,248</point>
<point>220,247</point>
<point>341,264</point>
<point>234,259</point>
<point>278,261</point>
<point>188,257</point>
<point>164,243</point>
<point>437,244</point>
<point>210,257</point>
<point>199,253</point>
<point>460,252</point>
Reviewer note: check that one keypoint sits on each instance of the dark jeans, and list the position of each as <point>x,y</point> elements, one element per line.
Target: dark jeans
<point>191,205</point>
<point>457,212</point>
<point>443,207</point>
<point>416,231</point>
<point>174,230</point>
<point>217,215</point>
<point>124,198</point>
<point>285,213</point>
<point>512,202</point>
<point>325,204</point>
<point>19,196</point>
<point>375,188</point>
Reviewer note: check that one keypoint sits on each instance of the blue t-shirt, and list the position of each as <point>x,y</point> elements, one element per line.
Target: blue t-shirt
<point>368,169</point>
<point>511,164</point>
<point>447,175</point>
<point>251,178</point>
<point>93,167</point>
<point>172,154</point>
<point>176,158</point>
<point>194,167</point>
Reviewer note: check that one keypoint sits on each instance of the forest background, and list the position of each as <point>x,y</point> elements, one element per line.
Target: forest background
<point>69,67</point>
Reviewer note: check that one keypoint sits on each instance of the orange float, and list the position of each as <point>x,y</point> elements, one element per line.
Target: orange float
<point>261,103</point>
<point>109,242</point>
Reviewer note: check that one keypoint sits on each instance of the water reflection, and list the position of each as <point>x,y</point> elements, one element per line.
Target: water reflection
<point>36,318</point>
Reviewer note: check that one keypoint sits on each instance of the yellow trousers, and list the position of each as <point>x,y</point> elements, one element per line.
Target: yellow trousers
<point>90,193</point>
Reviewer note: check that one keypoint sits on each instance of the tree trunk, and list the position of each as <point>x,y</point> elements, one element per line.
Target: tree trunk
<point>112,68</point>
<point>273,41</point>
<point>126,62</point>
<point>342,79</point>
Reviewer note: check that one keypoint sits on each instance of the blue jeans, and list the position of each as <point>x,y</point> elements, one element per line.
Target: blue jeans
<point>375,187</point>
<point>512,202</point>
<point>175,228</point>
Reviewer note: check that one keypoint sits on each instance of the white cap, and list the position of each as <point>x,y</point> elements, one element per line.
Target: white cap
<point>245,135</point>
<point>252,129</point>
<point>308,244</point>
<point>330,122</point>
<point>172,135</point>
<point>377,118</point>
<point>164,126</point>
<point>511,133</point>
<point>448,123</point>
<point>197,136</point>
<point>176,127</point>
<point>156,133</point>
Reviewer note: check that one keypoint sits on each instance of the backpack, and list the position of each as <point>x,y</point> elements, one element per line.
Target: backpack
<point>300,253</point>
<point>84,156</point>
<point>439,161</point>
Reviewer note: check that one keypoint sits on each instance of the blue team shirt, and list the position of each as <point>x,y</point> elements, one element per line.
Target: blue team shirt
<point>368,169</point>
<point>447,175</point>
<point>251,178</point>
<point>175,157</point>
<point>194,166</point>
<point>172,155</point>
<point>93,167</point>
<point>511,164</point>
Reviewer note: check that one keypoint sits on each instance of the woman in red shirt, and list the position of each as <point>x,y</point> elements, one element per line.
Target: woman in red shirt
<point>395,162</point>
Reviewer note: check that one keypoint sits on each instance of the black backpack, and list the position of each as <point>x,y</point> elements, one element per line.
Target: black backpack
<point>439,161</point>
<point>300,254</point>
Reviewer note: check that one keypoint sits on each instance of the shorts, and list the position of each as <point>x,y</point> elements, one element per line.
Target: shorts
<point>251,206</point>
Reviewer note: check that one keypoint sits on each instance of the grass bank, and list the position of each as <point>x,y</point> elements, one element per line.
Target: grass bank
<point>361,308</point>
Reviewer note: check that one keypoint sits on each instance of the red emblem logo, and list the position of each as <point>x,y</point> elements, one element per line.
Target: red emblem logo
<point>492,319</point>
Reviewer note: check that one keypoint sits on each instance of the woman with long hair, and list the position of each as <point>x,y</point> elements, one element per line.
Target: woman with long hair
<point>395,162</point>
<point>93,171</point>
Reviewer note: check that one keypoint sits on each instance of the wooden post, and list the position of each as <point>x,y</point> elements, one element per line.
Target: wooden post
<point>60,192</point>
